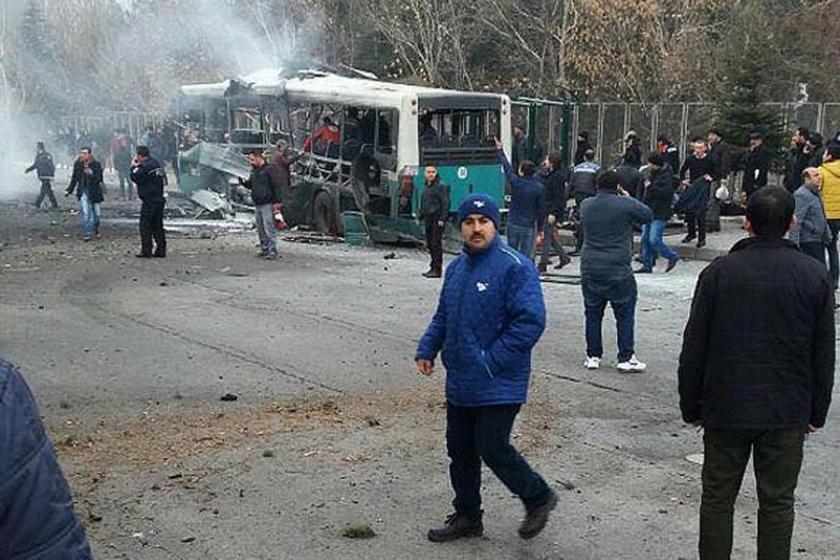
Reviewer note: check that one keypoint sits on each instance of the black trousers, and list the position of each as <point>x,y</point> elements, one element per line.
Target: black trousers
<point>777,458</point>
<point>814,249</point>
<point>151,227</point>
<point>579,198</point>
<point>434,242</point>
<point>46,192</point>
<point>482,433</point>
<point>697,224</point>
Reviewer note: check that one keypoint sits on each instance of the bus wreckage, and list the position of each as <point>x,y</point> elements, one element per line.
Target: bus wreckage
<point>363,144</point>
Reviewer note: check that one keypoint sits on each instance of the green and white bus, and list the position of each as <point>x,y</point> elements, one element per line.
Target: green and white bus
<point>379,134</point>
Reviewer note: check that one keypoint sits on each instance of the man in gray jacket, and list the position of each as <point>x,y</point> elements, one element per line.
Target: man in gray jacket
<point>608,219</point>
<point>811,232</point>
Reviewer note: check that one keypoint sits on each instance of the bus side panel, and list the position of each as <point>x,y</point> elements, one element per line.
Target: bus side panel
<point>464,180</point>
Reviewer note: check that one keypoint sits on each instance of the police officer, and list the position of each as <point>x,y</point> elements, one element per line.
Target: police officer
<point>150,176</point>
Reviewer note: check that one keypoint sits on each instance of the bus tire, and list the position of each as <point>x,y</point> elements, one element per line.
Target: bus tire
<point>323,213</point>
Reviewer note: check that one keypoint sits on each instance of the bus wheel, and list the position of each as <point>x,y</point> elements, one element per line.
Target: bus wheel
<point>323,213</point>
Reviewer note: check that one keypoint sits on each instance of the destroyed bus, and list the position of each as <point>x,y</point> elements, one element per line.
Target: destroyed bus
<point>364,145</point>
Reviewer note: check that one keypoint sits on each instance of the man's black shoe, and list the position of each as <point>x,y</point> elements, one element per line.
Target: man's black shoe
<point>574,253</point>
<point>701,244</point>
<point>542,268</point>
<point>671,265</point>
<point>563,262</point>
<point>536,518</point>
<point>432,274</point>
<point>159,255</point>
<point>143,256</point>
<point>687,239</point>
<point>458,526</point>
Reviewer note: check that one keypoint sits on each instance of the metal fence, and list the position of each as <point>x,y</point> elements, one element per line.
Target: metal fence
<point>133,122</point>
<point>607,123</point>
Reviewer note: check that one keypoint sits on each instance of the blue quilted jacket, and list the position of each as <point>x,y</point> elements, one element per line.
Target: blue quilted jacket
<point>37,519</point>
<point>490,315</point>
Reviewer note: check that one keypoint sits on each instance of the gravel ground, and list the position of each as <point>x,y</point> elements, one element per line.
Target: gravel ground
<point>331,425</point>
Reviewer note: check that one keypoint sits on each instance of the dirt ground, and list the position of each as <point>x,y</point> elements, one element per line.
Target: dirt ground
<point>331,426</point>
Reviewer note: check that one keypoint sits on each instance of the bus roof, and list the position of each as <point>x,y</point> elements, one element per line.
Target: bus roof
<point>325,87</point>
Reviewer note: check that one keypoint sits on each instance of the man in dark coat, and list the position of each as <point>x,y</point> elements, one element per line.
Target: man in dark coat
<point>756,371</point>
<point>434,211</point>
<point>694,199</point>
<point>525,216</point>
<point>721,157</point>
<point>553,178</point>
<point>150,177</point>
<point>37,519</point>
<point>670,153</point>
<point>797,159</point>
<point>609,219</point>
<point>659,197</point>
<point>757,165</point>
<point>583,146</point>
<point>44,167</point>
<point>265,194</point>
<point>490,315</point>
<point>87,181</point>
<point>582,185</point>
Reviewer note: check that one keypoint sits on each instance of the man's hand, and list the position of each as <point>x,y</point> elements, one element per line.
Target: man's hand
<point>552,219</point>
<point>441,223</point>
<point>499,144</point>
<point>425,367</point>
<point>622,191</point>
<point>811,429</point>
<point>708,177</point>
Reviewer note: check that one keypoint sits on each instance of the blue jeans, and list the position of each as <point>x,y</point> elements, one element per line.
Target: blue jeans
<point>91,213</point>
<point>621,294</point>
<point>522,238</point>
<point>653,243</point>
<point>482,433</point>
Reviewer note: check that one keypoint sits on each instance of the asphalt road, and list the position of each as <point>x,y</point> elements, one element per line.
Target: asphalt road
<point>129,359</point>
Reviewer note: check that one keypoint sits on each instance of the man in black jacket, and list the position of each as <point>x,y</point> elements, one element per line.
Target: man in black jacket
<point>87,182</point>
<point>694,199</point>
<point>721,157</point>
<point>262,183</point>
<point>434,211</point>
<point>659,197</point>
<point>756,371</point>
<point>797,159</point>
<point>149,175</point>
<point>553,178</point>
<point>45,169</point>
<point>757,165</point>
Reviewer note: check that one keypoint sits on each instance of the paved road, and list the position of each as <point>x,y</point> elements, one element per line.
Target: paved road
<point>129,360</point>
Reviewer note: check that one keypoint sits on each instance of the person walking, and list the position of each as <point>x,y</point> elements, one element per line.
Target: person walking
<point>554,207</point>
<point>490,315</point>
<point>608,219</point>
<point>261,183</point>
<point>830,185</point>
<point>811,233</point>
<point>582,185</point>
<point>757,165</point>
<point>659,197</point>
<point>122,164</point>
<point>670,153</point>
<point>87,181</point>
<point>149,175</point>
<point>38,519</point>
<point>434,212</point>
<point>525,216</point>
<point>694,199</point>
<point>44,167</point>
<point>756,373</point>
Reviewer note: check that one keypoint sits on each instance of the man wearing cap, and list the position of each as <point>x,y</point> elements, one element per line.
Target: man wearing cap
<point>490,315</point>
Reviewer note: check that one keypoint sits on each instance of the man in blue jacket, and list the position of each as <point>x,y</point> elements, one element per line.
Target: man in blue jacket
<point>37,519</point>
<point>490,315</point>
<point>526,204</point>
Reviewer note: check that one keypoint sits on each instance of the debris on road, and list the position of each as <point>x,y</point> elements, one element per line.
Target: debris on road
<point>229,397</point>
<point>358,531</point>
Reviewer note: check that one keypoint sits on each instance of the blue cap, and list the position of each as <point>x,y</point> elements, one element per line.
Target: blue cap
<point>479,204</point>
